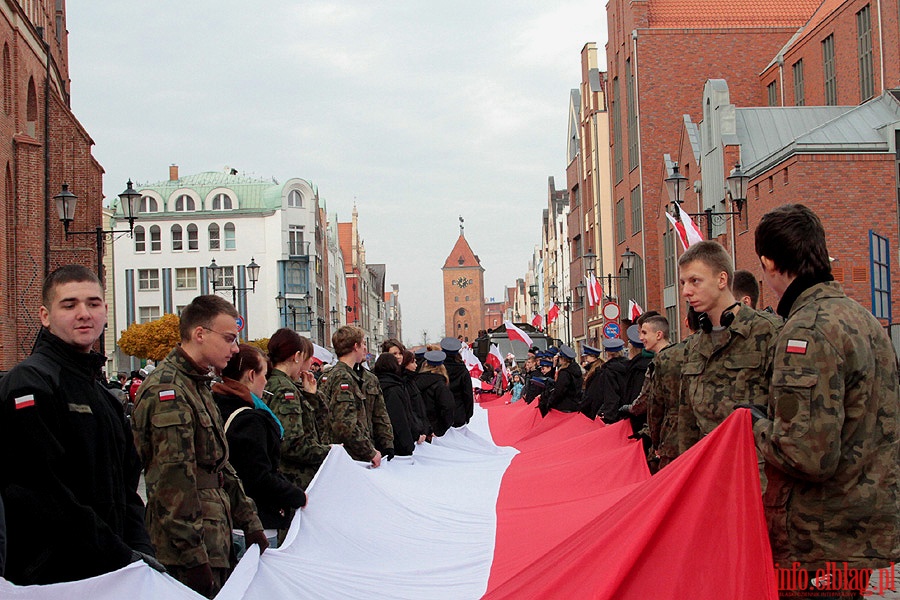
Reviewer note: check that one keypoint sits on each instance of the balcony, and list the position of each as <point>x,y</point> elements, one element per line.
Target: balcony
<point>298,250</point>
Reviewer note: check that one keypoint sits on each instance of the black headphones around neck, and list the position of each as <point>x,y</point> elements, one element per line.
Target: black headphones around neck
<point>725,320</point>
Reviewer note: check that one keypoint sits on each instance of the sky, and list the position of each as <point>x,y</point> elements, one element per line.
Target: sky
<point>418,112</point>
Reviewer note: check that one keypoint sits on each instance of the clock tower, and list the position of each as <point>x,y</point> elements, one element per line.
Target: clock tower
<point>463,291</point>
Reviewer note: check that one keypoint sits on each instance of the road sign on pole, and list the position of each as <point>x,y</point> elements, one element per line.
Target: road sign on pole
<point>611,330</point>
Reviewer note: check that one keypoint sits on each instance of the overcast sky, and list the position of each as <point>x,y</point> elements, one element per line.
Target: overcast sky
<point>418,111</point>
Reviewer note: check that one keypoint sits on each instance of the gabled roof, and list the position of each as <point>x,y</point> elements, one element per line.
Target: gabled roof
<point>767,135</point>
<point>713,14</point>
<point>461,256</point>
<point>825,10</point>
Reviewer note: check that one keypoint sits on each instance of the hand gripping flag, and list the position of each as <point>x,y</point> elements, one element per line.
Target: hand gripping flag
<point>514,333</point>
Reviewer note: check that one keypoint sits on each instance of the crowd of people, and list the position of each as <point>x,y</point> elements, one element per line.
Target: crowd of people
<point>229,437</point>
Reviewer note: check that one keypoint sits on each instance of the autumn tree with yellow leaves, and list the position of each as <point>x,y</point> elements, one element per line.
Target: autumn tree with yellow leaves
<point>153,340</point>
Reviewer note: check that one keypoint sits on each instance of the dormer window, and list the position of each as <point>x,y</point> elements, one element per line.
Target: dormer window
<point>221,202</point>
<point>185,203</point>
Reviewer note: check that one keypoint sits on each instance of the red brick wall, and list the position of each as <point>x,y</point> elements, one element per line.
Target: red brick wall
<point>469,298</point>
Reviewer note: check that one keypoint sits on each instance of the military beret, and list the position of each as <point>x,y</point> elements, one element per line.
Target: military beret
<point>634,336</point>
<point>450,345</point>
<point>567,352</point>
<point>613,345</point>
<point>546,362</point>
<point>435,357</point>
<point>590,351</point>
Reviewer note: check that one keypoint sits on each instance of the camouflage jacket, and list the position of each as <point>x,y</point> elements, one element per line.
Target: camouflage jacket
<point>303,448</point>
<point>718,376</point>
<point>359,419</point>
<point>193,494</point>
<point>832,440</point>
<point>662,392</point>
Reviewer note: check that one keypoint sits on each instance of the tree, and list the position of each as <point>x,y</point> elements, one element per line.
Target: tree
<point>153,340</point>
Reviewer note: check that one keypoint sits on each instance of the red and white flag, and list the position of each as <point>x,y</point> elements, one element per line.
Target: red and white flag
<point>514,333</point>
<point>690,229</point>
<point>472,363</point>
<point>553,313</point>
<point>634,310</point>
<point>679,228</point>
<point>495,359</point>
<point>536,321</point>
<point>594,291</point>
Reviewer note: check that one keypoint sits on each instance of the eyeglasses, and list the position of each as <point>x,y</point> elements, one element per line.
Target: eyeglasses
<point>229,338</point>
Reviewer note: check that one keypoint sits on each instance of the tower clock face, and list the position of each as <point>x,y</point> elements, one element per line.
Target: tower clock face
<point>462,281</point>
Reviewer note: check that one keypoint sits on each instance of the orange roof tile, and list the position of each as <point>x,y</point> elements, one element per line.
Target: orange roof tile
<point>461,255</point>
<point>712,14</point>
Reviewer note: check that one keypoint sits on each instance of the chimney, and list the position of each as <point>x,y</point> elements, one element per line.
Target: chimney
<point>173,172</point>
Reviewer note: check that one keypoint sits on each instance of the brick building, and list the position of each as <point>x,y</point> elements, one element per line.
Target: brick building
<point>42,146</point>
<point>463,276</point>
<point>659,55</point>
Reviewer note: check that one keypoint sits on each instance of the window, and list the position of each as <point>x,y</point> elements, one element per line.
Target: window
<point>147,314</point>
<point>140,239</point>
<point>213,236</point>
<point>296,247</point>
<point>230,242</point>
<point>177,241</point>
<point>829,71</point>
<point>672,317</point>
<point>617,130</point>
<point>576,196</point>
<point>295,199</point>
<point>669,253</point>
<point>221,202</point>
<point>576,242</point>
<point>155,239</point>
<point>185,203</point>
<point>296,280</point>
<point>881,275</point>
<point>620,221</point>
<point>637,214</point>
<point>193,242</point>
<point>149,204</point>
<point>772,94</point>
<point>799,98</point>
<point>864,51</point>
<point>186,279</point>
<point>148,279</point>
<point>226,277</point>
<point>632,117</point>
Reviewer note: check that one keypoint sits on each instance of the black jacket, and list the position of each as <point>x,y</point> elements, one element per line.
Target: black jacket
<point>566,393</point>
<point>461,388</point>
<point>439,405</point>
<point>396,400</point>
<point>634,376</point>
<point>254,450</point>
<point>70,470</point>
<point>421,426</point>
<point>603,394</point>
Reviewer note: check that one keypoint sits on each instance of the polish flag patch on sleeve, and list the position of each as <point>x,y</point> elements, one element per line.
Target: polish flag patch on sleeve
<point>166,395</point>
<point>345,387</point>
<point>796,347</point>
<point>24,401</point>
<point>289,395</point>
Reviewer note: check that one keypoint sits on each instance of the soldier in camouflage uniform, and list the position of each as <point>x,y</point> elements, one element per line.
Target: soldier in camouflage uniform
<point>359,419</point>
<point>194,496</point>
<point>725,363</point>
<point>305,444</point>
<point>830,435</point>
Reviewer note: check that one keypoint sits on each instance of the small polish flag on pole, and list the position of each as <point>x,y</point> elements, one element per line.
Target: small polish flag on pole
<point>634,310</point>
<point>691,230</point>
<point>553,313</point>
<point>594,291</point>
<point>536,321</point>
<point>514,333</point>
<point>679,227</point>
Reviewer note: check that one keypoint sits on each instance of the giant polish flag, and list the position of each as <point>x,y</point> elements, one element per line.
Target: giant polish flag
<point>514,333</point>
<point>512,506</point>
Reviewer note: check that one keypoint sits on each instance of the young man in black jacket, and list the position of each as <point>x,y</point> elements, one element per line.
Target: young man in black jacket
<point>69,481</point>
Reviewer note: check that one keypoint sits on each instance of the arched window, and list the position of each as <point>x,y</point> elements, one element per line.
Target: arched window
<point>214,243</point>
<point>155,239</point>
<point>149,204</point>
<point>185,203</point>
<point>177,242</point>
<point>230,242</point>
<point>221,202</point>
<point>31,110</point>
<point>140,239</point>
<point>295,199</point>
<point>193,239</point>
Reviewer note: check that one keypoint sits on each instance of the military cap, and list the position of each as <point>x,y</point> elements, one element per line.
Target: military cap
<point>420,351</point>
<point>567,352</point>
<point>435,357</point>
<point>590,351</point>
<point>450,345</point>
<point>634,336</point>
<point>546,362</point>
<point>613,345</point>
<point>552,350</point>
<point>540,382</point>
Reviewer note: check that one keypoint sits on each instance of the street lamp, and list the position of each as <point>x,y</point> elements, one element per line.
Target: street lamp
<point>252,274</point>
<point>589,259</point>
<point>737,182</point>
<point>335,321</point>
<point>627,266</point>
<point>65,206</point>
